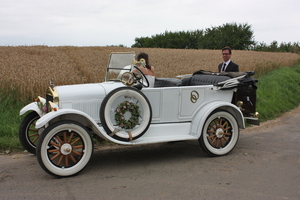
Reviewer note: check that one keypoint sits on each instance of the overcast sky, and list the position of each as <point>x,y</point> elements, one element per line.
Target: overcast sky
<point>115,22</point>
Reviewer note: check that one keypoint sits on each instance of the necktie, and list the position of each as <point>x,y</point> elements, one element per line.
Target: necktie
<point>223,67</point>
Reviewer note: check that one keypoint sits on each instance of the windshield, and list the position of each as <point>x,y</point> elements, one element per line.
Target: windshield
<point>118,64</point>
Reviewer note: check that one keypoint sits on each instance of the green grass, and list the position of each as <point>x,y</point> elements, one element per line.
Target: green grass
<point>10,120</point>
<point>278,92</point>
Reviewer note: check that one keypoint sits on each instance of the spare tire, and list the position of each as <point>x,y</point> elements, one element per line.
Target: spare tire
<point>125,113</point>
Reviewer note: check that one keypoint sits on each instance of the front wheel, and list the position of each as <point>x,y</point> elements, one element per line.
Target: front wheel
<point>220,134</point>
<point>28,134</point>
<point>64,148</point>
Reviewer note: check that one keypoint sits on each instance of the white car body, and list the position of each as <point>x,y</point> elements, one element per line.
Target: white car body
<point>177,113</point>
<point>174,116</point>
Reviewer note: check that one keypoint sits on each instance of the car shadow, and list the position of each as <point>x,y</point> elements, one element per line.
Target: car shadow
<point>133,156</point>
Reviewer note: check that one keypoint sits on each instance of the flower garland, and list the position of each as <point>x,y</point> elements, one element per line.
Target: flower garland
<point>40,104</point>
<point>124,107</point>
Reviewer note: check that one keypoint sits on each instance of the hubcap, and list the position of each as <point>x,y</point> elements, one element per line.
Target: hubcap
<point>219,132</point>
<point>66,149</point>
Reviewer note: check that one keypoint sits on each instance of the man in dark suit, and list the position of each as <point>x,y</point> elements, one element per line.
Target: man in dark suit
<point>227,65</point>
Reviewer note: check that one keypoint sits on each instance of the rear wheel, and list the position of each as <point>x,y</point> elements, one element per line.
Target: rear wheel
<point>64,148</point>
<point>220,134</point>
<point>125,114</point>
<point>28,134</point>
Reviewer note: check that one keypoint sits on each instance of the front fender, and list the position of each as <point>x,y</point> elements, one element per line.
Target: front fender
<point>31,107</point>
<point>200,117</point>
<point>62,112</point>
<point>76,115</point>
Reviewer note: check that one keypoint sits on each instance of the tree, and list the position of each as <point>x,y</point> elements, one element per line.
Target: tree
<point>274,47</point>
<point>230,34</point>
<point>177,40</point>
<point>236,36</point>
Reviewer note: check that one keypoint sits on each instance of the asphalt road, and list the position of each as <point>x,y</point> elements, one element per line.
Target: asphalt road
<point>264,165</point>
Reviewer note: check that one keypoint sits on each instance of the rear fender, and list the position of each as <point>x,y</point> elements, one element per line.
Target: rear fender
<point>201,116</point>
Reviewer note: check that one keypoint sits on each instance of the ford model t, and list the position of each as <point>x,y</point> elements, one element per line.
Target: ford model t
<point>204,106</point>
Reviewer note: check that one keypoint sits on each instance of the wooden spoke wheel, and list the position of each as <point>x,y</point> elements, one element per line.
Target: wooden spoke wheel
<point>28,134</point>
<point>220,134</point>
<point>64,148</point>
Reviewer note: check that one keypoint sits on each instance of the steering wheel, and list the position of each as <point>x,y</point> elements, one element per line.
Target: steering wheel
<point>140,77</point>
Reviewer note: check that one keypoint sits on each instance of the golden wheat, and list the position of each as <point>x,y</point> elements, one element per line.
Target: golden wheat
<point>30,68</point>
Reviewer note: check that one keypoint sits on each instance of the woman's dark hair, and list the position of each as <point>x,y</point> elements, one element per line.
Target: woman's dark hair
<point>145,56</point>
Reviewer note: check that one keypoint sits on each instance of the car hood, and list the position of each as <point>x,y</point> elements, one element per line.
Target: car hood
<point>82,92</point>
<point>78,92</point>
<point>85,97</point>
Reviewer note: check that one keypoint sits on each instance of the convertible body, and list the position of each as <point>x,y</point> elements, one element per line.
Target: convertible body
<point>208,107</point>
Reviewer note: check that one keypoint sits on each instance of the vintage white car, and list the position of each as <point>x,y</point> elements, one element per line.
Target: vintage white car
<point>205,106</point>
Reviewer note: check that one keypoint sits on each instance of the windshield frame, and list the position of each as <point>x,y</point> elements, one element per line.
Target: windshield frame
<point>119,63</point>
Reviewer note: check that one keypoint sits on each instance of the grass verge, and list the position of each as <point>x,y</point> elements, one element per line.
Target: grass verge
<point>278,92</point>
<point>10,120</point>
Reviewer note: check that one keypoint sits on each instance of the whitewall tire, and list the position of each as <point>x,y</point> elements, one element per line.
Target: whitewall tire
<point>108,114</point>
<point>220,134</point>
<point>64,148</point>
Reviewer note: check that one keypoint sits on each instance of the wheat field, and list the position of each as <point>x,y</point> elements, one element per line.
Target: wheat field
<point>29,69</point>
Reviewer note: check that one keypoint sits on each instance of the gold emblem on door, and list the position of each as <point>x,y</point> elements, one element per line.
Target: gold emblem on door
<point>194,96</point>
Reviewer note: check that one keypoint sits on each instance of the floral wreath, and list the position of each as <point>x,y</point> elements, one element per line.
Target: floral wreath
<point>124,107</point>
